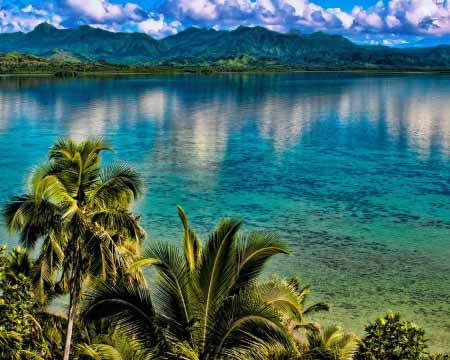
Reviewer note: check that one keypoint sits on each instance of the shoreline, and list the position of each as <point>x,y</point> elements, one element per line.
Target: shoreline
<point>177,72</point>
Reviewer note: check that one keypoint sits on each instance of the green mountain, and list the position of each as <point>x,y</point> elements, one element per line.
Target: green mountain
<point>204,44</point>
<point>244,46</point>
<point>90,43</point>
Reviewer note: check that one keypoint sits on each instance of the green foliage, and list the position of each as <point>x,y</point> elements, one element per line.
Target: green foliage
<point>80,215</point>
<point>21,336</point>
<point>330,343</point>
<point>389,338</point>
<point>208,302</point>
<point>436,357</point>
<point>88,49</point>
<point>114,347</point>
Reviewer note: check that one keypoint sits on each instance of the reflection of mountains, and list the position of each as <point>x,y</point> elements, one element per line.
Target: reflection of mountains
<point>198,114</point>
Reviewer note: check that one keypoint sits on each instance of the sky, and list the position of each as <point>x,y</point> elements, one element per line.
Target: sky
<point>386,22</point>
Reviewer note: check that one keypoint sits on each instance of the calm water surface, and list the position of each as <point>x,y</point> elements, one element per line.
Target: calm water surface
<point>351,170</point>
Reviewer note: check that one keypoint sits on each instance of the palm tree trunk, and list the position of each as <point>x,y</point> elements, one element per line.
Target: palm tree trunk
<point>70,321</point>
<point>75,285</point>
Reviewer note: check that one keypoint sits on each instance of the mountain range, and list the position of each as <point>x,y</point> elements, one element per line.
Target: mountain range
<point>243,46</point>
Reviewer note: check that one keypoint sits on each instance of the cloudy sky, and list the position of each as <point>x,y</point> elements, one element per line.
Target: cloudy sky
<point>389,22</point>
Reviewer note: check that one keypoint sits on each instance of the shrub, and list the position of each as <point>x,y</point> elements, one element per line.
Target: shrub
<point>388,338</point>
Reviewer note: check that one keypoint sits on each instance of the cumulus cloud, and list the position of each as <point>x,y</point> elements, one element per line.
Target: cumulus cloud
<point>408,17</point>
<point>102,11</point>
<point>157,26</point>
<point>402,18</point>
<point>25,19</point>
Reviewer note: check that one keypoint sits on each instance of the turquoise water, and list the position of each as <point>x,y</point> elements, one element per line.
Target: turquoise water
<point>351,170</point>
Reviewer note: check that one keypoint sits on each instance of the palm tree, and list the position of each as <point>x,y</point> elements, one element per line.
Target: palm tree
<point>302,323</point>
<point>330,343</point>
<point>208,302</point>
<point>82,214</point>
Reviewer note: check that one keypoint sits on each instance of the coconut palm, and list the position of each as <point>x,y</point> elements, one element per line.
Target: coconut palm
<point>208,302</point>
<point>81,213</point>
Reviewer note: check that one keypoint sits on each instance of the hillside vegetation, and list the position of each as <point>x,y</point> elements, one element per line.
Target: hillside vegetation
<point>242,47</point>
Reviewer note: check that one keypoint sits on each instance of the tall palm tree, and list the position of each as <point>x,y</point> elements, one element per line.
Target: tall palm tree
<point>82,214</point>
<point>208,302</point>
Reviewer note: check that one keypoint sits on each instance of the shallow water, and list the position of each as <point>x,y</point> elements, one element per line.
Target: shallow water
<point>351,170</point>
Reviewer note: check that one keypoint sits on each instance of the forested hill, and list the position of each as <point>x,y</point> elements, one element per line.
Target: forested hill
<point>244,46</point>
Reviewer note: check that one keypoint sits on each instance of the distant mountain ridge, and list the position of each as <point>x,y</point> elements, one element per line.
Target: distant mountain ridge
<point>256,46</point>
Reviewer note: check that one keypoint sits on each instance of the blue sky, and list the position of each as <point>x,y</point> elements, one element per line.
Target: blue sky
<point>388,22</point>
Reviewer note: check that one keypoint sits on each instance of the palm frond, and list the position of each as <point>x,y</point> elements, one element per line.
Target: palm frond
<point>217,272</point>
<point>91,148</point>
<point>244,319</point>
<point>173,299</point>
<point>332,340</point>
<point>32,219</point>
<point>318,307</point>
<point>63,148</point>
<point>47,183</point>
<point>181,350</point>
<point>46,267</point>
<point>117,185</point>
<point>261,350</point>
<point>254,251</point>
<point>98,352</point>
<point>128,306</point>
<point>119,221</point>
<point>192,245</point>
<point>105,258</point>
<point>283,298</point>
<point>138,264</point>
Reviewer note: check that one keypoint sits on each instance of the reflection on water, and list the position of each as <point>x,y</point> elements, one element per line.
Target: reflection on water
<point>409,110</point>
<point>351,170</point>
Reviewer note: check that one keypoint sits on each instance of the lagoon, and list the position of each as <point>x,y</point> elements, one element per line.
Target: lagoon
<point>352,170</point>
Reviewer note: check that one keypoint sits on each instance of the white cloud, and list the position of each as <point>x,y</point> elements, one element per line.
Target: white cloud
<point>393,42</point>
<point>102,10</point>
<point>413,17</point>
<point>156,26</point>
<point>25,19</point>
<point>402,17</point>
<point>31,10</point>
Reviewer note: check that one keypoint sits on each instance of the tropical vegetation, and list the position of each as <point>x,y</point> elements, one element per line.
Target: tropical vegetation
<point>203,300</point>
<point>88,49</point>
<point>79,215</point>
<point>393,339</point>
<point>20,333</point>
<point>209,300</point>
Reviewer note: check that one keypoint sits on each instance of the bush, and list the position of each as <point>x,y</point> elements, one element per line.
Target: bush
<point>389,338</point>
